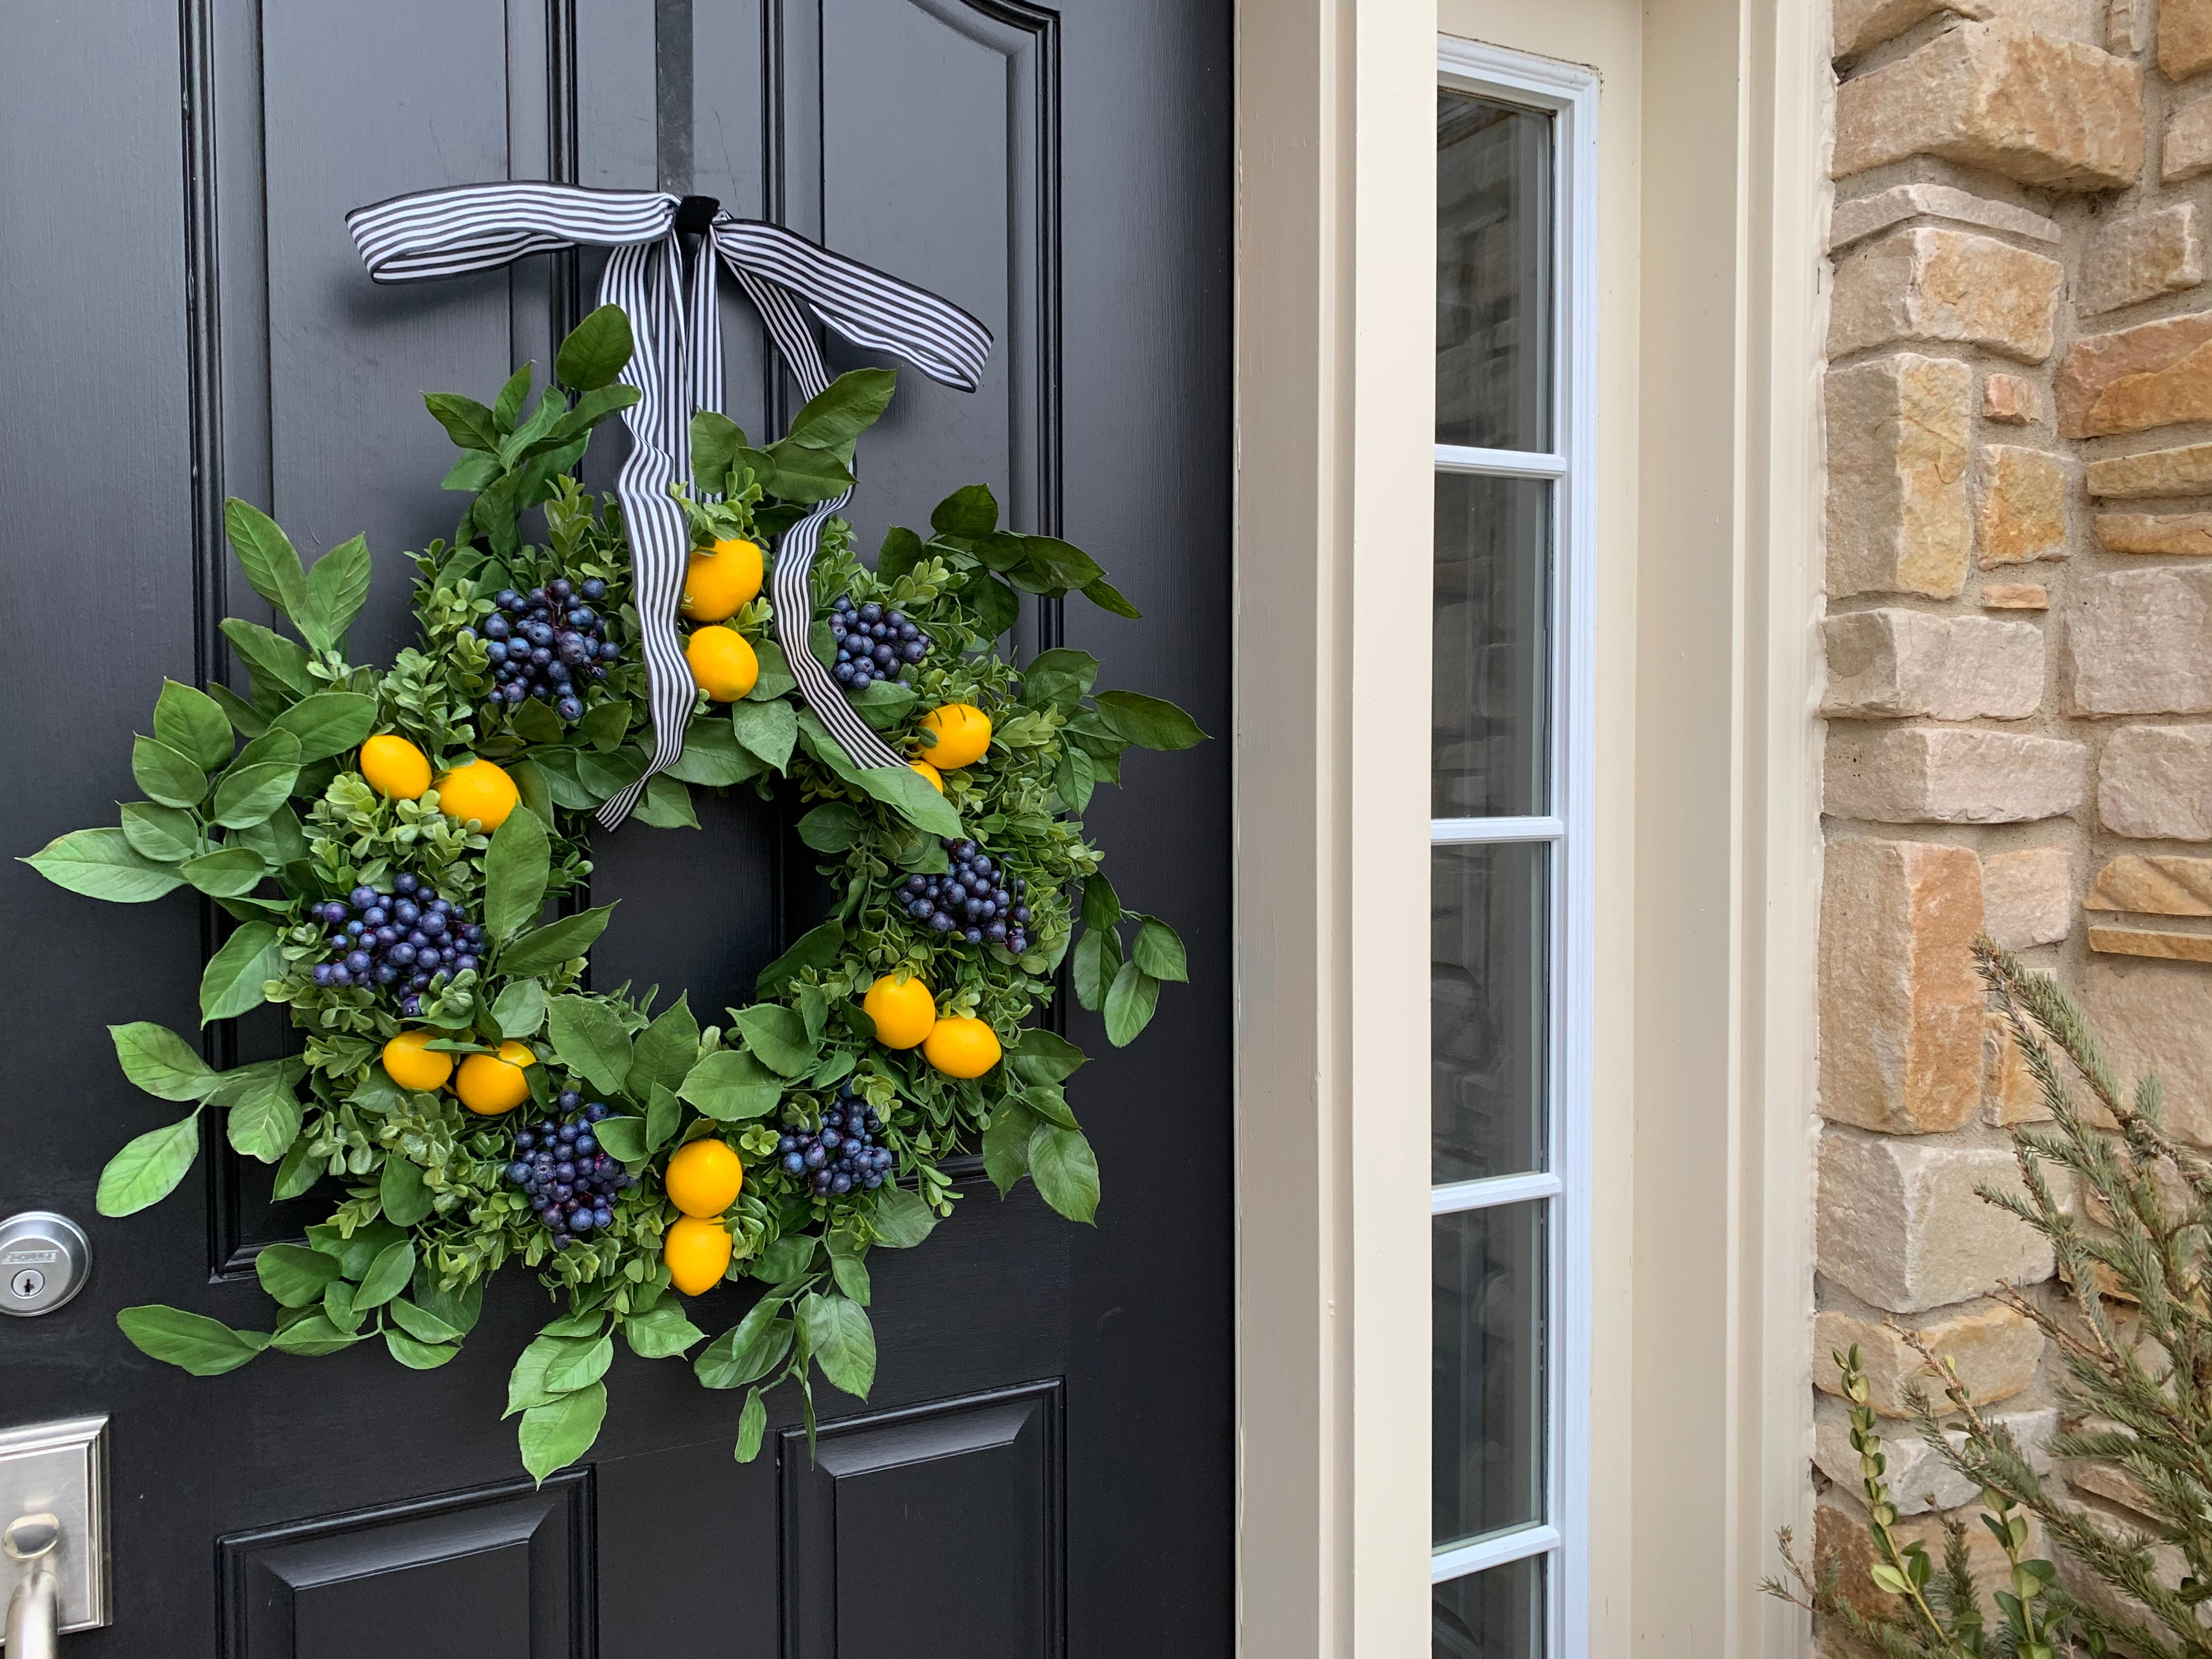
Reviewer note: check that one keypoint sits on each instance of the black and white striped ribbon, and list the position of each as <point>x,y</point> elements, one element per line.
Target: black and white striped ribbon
<point>676,368</point>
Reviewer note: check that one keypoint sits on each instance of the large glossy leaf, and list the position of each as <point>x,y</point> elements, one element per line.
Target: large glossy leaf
<point>817,947</point>
<point>595,351</point>
<point>712,757</point>
<point>168,834</point>
<point>401,1190</point>
<point>203,1346</point>
<point>337,589</point>
<point>580,1365</point>
<point>520,1009</point>
<point>467,422</point>
<point>914,797</point>
<point>1149,723</point>
<point>844,410</point>
<point>748,1349</point>
<point>588,1037</point>
<point>329,722</point>
<point>254,787</point>
<point>102,864</point>
<point>555,1435</point>
<point>147,1170</point>
<point>417,1356</point>
<point>903,1219</point>
<point>1130,1000</point>
<point>841,1340</point>
<point>294,1274</point>
<point>517,866</point>
<point>779,1036</point>
<point>715,443</point>
<point>232,982</point>
<point>226,874</point>
<point>768,729</point>
<point>162,1063</point>
<point>970,511</point>
<point>265,553</point>
<point>192,723</point>
<point>278,666</point>
<point>167,775</point>
<point>1064,1171</point>
<point>554,943</point>
<point>386,1276</point>
<point>665,1051</point>
<point>730,1087</point>
<point>660,1331</point>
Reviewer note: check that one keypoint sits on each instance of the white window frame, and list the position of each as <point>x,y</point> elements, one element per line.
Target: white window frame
<point>1569,92</point>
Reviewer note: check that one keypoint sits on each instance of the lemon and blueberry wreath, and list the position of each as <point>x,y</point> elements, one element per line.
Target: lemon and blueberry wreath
<point>403,852</point>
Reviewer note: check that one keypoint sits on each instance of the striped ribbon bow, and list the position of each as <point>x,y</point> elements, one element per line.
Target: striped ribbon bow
<point>676,368</point>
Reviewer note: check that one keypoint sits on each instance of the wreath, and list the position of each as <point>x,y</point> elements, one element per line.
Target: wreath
<point>401,852</point>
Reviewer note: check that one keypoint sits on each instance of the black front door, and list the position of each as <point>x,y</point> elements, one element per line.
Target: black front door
<point>1045,1464</point>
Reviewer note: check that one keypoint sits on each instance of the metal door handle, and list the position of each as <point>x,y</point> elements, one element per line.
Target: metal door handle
<point>34,1610</point>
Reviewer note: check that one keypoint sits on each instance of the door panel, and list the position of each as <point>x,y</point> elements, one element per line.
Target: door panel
<point>1045,1465</point>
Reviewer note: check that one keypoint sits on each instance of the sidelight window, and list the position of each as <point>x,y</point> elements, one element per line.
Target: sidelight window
<point>1509,852</point>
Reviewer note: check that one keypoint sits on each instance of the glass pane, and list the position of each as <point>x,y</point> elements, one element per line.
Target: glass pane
<point>1489,915</point>
<point>1490,691</point>
<point>1494,274</point>
<point>1498,1615</point>
<point>1488,1469</point>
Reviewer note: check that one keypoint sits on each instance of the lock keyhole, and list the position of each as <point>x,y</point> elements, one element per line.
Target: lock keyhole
<point>28,1283</point>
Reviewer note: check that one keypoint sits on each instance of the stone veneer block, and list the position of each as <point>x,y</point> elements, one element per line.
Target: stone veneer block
<point>2186,471</point>
<point>2140,641</point>
<point>1839,1534</point>
<point>2024,494</point>
<point>2154,783</point>
<point>1951,286</point>
<point>1892,664</point>
<point>2187,150</point>
<point>2158,943</point>
<point>1933,775</point>
<point>2009,400</point>
<point>1863,23</point>
<point>2010,1093</point>
<point>2015,596</point>
<point>2001,96</point>
<point>1919,1480</point>
<point>1901,1225</point>
<point>1901,1005</point>
<point>2142,256</point>
<point>1996,1350</point>
<point>2155,532</point>
<point>1898,520</point>
<point>2153,886</point>
<point>2152,375</point>
<point>1858,217</point>
<point>2027,897</point>
<point>2185,38</point>
<point>2125,21</point>
<point>2156,1017</point>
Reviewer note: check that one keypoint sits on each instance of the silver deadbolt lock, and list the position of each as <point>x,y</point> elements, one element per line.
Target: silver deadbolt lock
<point>44,1259</point>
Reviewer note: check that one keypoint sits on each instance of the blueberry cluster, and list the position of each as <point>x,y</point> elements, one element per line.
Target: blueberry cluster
<point>974,900</point>
<point>873,642</point>
<point>572,1183</point>
<point>548,643</point>
<point>842,1153</point>
<point>406,941</point>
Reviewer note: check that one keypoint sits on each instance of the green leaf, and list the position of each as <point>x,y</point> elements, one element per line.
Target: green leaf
<point>847,1267</point>
<point>712,758</point>
<point>842,1341</point>
<point>162,1063</point>
<point>263,1115</point>
<point>537,721</point>
<point>102,864</point>
<point>421,1323</point>
<point>517,866</point>
<point>297,1173</point>
<point>387,1275</point>
<point>997,606</point>
<point>664,1050</point>
<point>279,838</point>
<point>555,1435</point>
<point>778,1036</point>
<point>194,724</point>
<point>1149,723</point>
<point>1006,1145</point>
<point>358,1252</point>
<point>473,471</point>
<point>1066,1170</point>
<point>790,1258</point>
<point>626,1144</point>
<point>900,553</point>
<point>526,1384</point>
<point>768,729</point>
<point>1109,598</point>
<point>247,720</point>
<point>972,511</point>
<point>1102,906</point>
<point>293,1275</point>
<point>313,1336</point>
<point>752,1423</point>
<point>596,351</point>
<point>1129,1004</point>
<point>401,1190</point>
<point>901,1217</point>
<point>775,676</point>
<point>166,774</point>
<point>507,408</point>
<point>1097,964</point>
<point>269,560</point>
<point>730,1087</point>
<point>467,422</point>
<point>832,827</point>
<point>203,1346</point>
<point>798,473</point>
<point>456,1308</point>
<point>1074,776</point>
<point>226,874</point>
<point>666,805</point>
<point>914,797</point>
<point>1053,566</point>
<point>520,1009</point>
<point>417,1356</point>
<point>576,425</point>
<point>337,588</point>
<point>748,1349</point>
<point>147,1170</point>
<point>716,441</point>
<point>884,703</point>
<point>1043,1056</point>
<point>1060,678</point>
<point>581,1362</point>
<point>661,1332</point>
<point>1159,951</point>
<point>663,1117</point>
<point>555,943</point>
<point>329,722</point>
<point>588,1037</point>
<point>817,947</point>
<point>163,834</point>
<point>248,794</point>
<point>278,665</point>
<point>844,410</point>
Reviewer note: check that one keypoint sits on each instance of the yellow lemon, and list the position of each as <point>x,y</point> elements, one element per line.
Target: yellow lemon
<point>478,790</point>
<point>903,1009</point>
<point>936,778</point>
<point>961,1047</point>
<point>722,663</point>
<point>394,767</point>
<point>414,1066</point>
<point>697,1252</point>
<point>704,1179</point>
<point>720,580</point>
<point>963,733</point>
<point>491,1084</point>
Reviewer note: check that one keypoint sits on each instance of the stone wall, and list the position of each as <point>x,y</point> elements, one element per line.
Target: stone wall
<point>2019,637</point>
